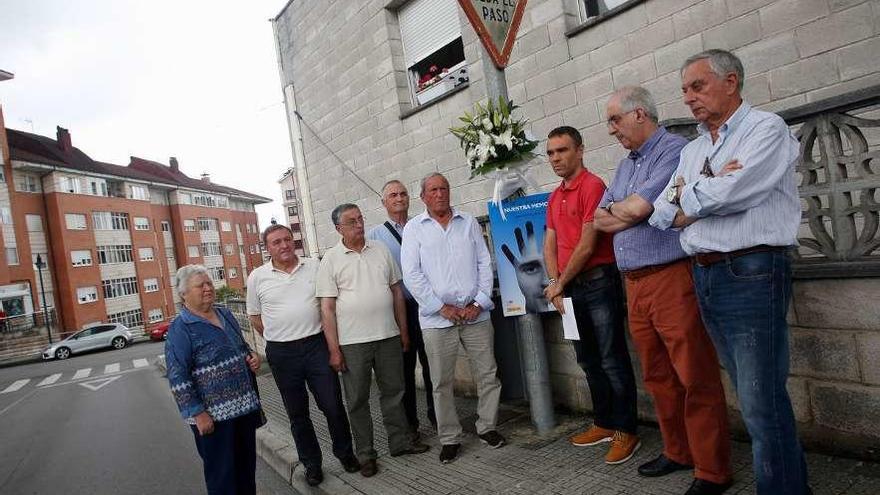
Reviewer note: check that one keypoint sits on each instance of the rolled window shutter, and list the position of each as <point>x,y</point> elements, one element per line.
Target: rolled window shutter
<point>426,26</point>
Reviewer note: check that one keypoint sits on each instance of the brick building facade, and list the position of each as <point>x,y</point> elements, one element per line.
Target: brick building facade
<point>111,236</point>
<point>362,93</point>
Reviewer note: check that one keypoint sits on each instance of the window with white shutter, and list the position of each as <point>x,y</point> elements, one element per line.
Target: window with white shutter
<point>430,32</point>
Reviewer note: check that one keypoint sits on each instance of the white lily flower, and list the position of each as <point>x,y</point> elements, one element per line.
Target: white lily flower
<point>487,124</point>
<point>506,138</point>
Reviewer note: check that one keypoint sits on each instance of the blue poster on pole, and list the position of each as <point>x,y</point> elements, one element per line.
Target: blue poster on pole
<point>519,253</point>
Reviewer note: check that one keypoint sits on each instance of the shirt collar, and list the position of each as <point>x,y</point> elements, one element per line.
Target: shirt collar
<point>189,317</point>
<point>576,182</point>
<point>732,122</point>
<point>398,226</point>
<point>295,269</point>
<point>648,146</point>
<point>346,250</point>
<point>427,216</point>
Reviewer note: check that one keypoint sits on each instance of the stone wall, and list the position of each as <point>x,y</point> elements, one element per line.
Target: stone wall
<point>345,61</point>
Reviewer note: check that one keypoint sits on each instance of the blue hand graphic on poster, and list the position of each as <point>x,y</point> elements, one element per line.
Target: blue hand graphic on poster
<point>519,253</point>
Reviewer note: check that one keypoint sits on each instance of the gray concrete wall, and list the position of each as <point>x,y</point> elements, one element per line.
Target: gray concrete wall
<point>345,61</point>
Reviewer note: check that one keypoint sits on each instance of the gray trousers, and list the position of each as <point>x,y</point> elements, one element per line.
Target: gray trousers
<point>441,344</point>
<point>385,359</point>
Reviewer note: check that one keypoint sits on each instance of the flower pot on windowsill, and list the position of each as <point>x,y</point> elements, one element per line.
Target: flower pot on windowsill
<point>437,89</point>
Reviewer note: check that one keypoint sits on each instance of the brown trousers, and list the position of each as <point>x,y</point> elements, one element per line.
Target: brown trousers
<point>680,369</point>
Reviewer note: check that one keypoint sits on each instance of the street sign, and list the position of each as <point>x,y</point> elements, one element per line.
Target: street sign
<point>496,23</point>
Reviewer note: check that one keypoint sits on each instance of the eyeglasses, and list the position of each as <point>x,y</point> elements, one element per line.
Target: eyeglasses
<point>353,222</point>
<point>707,169</point>
<point>615,119</point>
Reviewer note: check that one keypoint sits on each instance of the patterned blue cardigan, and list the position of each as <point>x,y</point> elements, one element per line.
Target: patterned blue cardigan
<point>207,370</point>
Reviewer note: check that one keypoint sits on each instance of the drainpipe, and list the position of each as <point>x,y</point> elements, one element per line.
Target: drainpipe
<point>299,157</point>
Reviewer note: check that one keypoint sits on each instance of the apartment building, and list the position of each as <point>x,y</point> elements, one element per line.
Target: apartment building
<point>111,236</point>
<point>290,202</point>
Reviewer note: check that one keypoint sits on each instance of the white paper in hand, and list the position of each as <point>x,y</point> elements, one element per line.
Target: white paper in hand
<point>569,324</point>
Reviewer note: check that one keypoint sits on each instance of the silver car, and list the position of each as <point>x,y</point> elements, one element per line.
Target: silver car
<point>115,335</point>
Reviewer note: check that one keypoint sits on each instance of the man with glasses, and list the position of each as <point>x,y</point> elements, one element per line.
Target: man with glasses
<point>446,266</point>
<point>580,263</point>
<point>739,227</point>
<point>679,366</point>
<point>364,318</point>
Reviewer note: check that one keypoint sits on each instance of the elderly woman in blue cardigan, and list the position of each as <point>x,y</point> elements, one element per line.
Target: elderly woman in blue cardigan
<point>210,372</point>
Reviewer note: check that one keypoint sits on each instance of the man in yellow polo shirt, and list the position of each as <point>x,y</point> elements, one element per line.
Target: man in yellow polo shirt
<point>364,317</point>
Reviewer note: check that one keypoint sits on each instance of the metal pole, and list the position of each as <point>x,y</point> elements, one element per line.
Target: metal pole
<point>529,331</point>
<point>43,293</point>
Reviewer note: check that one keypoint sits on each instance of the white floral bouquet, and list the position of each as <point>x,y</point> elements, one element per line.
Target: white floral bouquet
<point>492,139</point>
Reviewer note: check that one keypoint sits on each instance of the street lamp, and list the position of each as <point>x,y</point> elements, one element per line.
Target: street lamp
<point>40,265</point>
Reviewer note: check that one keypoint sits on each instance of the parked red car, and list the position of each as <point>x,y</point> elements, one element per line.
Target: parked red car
<point>159,331</point>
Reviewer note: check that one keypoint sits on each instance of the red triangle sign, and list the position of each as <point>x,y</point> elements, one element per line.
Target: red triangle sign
<point>496,23</point>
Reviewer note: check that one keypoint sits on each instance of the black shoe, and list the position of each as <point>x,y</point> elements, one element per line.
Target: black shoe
<point>415,448</point>
<point>661,466</point>
<point>449,452</point>
<point>492,439</point>
<point>369,468</point>
<point>415,435</point>
<point>350,464</point>
<point>314,476</point>
<point>703,487</point>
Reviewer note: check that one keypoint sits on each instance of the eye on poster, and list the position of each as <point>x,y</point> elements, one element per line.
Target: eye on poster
<point>519,253</point>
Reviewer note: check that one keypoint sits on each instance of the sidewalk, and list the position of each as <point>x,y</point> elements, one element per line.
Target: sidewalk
<point>529,464</point>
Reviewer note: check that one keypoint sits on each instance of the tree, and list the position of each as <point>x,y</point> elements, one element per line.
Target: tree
<point>226,292</point>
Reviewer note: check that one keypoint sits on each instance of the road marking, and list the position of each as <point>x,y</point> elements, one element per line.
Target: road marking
<point>16,385</point>
<point>95,385</point>
<point>120,373</point>
<point>49,380</point>
<point>83,373</point>
<point>111,368</point>
<point>140,363</point>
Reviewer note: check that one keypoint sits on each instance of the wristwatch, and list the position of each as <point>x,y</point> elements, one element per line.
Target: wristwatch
<point>477,305</point>
<point>672,194</point>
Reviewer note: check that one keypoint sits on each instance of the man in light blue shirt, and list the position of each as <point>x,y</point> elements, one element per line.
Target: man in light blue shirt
<point>735,197</point>
<point>447,268</point>
<point>395,199</point>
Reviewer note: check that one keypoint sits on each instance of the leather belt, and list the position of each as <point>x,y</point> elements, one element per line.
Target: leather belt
<point>706,259</point>
<point>594,273</point>
<point>648,270</point>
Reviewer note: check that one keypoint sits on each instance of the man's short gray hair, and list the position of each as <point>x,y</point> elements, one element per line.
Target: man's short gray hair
<point>633,97</point>
<point>184,273</point>
<point>722,63</point>
<point>392,181</point>
<point>339,210</point>
<point>428,177</point>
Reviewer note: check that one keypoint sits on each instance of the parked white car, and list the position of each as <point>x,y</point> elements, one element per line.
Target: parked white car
<point>115,335</point>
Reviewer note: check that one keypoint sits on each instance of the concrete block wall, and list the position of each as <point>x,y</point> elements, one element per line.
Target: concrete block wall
<point>345,60</point>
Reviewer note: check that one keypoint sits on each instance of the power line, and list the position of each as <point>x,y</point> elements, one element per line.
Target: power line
<point>341,161</point>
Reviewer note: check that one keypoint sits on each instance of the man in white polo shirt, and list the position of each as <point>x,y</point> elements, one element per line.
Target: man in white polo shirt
<point>282,307</point>
<point>364,317</point>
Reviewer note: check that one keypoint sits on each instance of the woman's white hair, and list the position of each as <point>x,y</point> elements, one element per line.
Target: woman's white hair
<point>184,273</point>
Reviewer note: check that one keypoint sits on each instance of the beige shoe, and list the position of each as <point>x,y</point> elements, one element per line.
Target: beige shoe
<point>593,436</point>
<point>623,446</point>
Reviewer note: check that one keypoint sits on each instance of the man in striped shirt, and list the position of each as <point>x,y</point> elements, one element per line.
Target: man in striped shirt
<point>739,228</point>
<point>679,365</point>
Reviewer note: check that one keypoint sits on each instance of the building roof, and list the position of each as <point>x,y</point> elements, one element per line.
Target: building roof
<point>34,148</point>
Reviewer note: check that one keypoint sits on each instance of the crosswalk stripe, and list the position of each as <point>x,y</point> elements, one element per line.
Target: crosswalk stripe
<point>83,373</point>
<point>15,386</point>
<point>49,380</point>
<point>140,363</point>
<point>111,368</point>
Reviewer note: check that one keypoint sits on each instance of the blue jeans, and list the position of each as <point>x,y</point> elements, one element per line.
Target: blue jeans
<point>304,362</point>
<point>601,352</point>
<point>744,301</point>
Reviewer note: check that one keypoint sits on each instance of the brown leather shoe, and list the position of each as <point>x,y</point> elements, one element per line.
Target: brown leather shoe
<point>369,468</point>
<point>623,446</point>
<point>593,436</point>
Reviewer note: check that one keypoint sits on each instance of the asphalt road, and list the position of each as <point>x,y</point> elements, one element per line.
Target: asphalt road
<point>102,422</point>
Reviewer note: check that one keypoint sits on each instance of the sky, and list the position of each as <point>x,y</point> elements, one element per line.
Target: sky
<point>192,79</point>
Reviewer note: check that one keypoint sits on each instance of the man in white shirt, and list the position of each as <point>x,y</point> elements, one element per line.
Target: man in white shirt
<point>447,268</point>
<point>364,319</point>
<point>282,307</point>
